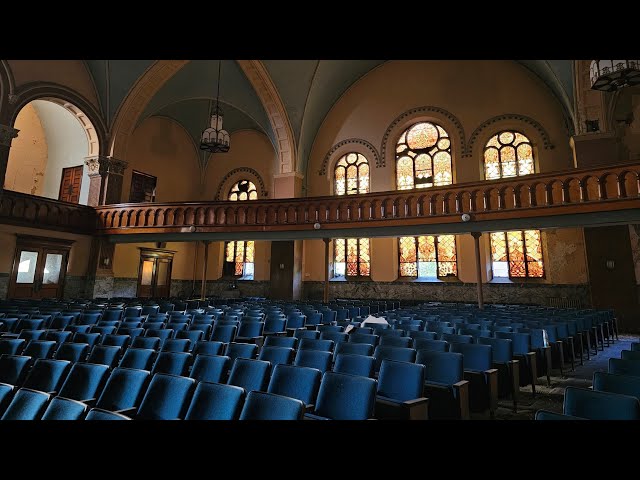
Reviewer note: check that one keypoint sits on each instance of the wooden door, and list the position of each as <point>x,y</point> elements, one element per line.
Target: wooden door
<point>39,268</point>
<point>70,184</point>
<point>154,272</point>
<point>145,277</point>
<point>162,277</point>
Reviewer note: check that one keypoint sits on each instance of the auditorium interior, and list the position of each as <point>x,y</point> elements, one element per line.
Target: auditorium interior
<point>320,240</point>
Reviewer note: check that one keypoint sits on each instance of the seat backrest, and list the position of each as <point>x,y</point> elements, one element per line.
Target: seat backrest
<point>336,337</point>
<point>104,355</point>
<point>624,367</point>
<point>116,340</point>
<point>314,359</point>
<point>152,343</point>
<point>138,358</point>
<point>280,341</point>
<point>85,381</point>
<point>61,408</point>
<point>434,345</point>
<point>502,348</point>
<point>545,415</point>
<point>48,375</point>
<point>274,325</point>
<point>249,374</point>
<point>250,329</point>
<point>269,406</point>
<point>423,335</point>
<point>348,348</point>
<point>304,333</point>
<point>176,345</point>
<point>476,357</point>
<point>74,352</point>
<point>39,348</point>
<point>364,338</point>
<point>194,336</point>
<point>14,368</point>
<point>89,338</point>
<point>209,348</point>
<point>405,342</point>
<point>393,353</point>
<point>12,346</point>
<point>316,344</point>
<point>614,383</point>
<point>100,414</point>
<point>595,405</point>
<point>210,368</point>
<point>224,333</point>
<point>172,363</point>
<point>400,381</point>
<point>26,404</point>
<point>629,355</point>
<point>346,397</point>
<point>277,355</point>
<point>124,389</point>
<point>58,337</point>
<point>241,350</point>
<point>167,397</point>
<point>292,381</point>
<point>354,364</point>
<point>215,401</point>
<point>441,367</point>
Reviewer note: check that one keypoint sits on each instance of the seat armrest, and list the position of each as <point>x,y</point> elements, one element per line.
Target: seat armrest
<point>91,402</point>
<point>127,411</point>
<point>461,392</point>
<point>309,408</point>
<point>311,416</point>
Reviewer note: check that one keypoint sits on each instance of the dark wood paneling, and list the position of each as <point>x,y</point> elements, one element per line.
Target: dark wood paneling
<point>613,288</point>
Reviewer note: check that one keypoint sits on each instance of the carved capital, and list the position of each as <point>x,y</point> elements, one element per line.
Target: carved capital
<point>101,165</point>
<point>7,134</point>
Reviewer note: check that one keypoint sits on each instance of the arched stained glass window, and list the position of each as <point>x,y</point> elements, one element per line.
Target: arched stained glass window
<point>508,154</point>
<point>240,254</point>
<point>243,190</point>
<point>428,256</point>
<point>351,257</point>
<point>423,157</point>
<point>351,174</point>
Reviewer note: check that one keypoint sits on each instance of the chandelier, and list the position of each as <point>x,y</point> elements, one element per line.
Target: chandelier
<point>214,139</point>
<point>611,75</point>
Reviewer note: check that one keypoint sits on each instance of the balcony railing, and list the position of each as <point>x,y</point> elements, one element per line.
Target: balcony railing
<point>38,212</point>
<point>607,189</point>
<point>557,193</point>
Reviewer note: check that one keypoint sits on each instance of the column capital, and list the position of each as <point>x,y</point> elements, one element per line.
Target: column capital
<point>7,134</point>
<point>102,165</point>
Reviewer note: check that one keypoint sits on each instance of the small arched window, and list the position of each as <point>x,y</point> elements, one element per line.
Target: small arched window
<point>351,174</point>
<point>508,154</point>
<point>243,190</point>
<point>423,157</point>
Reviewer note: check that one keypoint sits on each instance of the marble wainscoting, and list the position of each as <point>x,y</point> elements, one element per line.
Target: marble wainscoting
<point>124,287</point>
<point>99,287</point>
<point>4,285</point>
<point>183,288</point>
<point>247,288</point>
<point>75,286</point>
<point>537,294</point>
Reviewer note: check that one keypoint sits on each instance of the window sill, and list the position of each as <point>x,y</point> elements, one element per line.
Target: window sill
<point>429,280</point>
<point>351,279</point>
<point>517,281</point>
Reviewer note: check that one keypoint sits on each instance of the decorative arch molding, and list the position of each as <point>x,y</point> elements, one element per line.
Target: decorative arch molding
<point>139,96</point>
<point>232,176</point>
<point>88,116</point>
<point>416,112</point>
<point>350,141</point>
<point>7,87</point>
<point>265,88</point>
<point>506,118</point>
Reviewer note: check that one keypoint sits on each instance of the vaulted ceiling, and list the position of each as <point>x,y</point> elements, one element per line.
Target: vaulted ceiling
<point>308,89</point>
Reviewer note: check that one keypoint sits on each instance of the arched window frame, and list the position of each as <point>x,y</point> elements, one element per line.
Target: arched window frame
<point>352,162</point>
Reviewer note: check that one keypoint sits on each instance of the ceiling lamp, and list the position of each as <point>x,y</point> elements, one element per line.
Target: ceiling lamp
<point>611,75</point>
<point>214,138</point>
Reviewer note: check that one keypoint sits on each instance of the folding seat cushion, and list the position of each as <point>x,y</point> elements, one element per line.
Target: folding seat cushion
<point>399,393</point>
<point>215,401</point>
<point>546,415</point>
<point>269,406</point>
<point>48,375</point>
<point>61,408</point>
<point>26,404</point>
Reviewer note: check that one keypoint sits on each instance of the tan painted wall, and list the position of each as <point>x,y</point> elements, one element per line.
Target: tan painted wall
<point>249,148</point>
<point>473,91</point>
<point>69,73</point>
<point>161,147</point>
<point>28,155</point>
<point>78,257</point>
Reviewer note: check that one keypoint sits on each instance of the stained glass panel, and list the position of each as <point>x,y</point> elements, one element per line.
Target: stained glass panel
<point>230,251</point>
<point>365,257</point>
<point>407,249</point>
<point>491,163</point>
<point>352,179</point>
<point>239,268</point>
<point>240,251</point>
<point>243,190</point>
<point>428,256</point>
<point>423,150</point>
<point>515,156</point>
<point>364,178</point>
<point>508,160</point>
<point>351,175</point>
<point>250,252</point>
<point>506,138</point>
<point>426,249</point>
<point>338,252</point>
<point>498,247</point>
<point>351,257</point>
<point>522,250</point>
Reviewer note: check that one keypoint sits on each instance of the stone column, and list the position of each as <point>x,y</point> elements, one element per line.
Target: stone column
<point>7,134</point>
<point>105,180</point>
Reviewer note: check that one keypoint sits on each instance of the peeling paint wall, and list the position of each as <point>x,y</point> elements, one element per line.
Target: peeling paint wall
<point>28,155</point>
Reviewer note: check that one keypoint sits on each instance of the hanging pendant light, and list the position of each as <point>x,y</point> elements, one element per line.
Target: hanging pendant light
<point>214,139</point>
<point>611,75</point>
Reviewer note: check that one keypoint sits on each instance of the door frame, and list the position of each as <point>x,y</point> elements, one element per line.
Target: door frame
<point>33,242</point>
<point>154,254</point>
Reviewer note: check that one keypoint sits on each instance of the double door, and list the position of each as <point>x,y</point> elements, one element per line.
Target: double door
<point>154,276</point>
<point>38,270</point>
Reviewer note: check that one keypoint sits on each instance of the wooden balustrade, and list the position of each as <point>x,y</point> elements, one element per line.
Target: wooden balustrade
<point>39,212</point>
<point>556,193</point>
<point>611,188</point>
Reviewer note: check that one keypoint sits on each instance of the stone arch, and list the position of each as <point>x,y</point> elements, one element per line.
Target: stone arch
<point>238,174</point>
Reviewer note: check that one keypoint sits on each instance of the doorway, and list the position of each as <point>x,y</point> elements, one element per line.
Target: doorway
<point>39,267</point>
<point>154,273</point>
<point>70,184</point>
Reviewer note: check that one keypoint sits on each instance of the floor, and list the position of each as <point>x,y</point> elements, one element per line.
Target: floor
<point>551,397</point>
